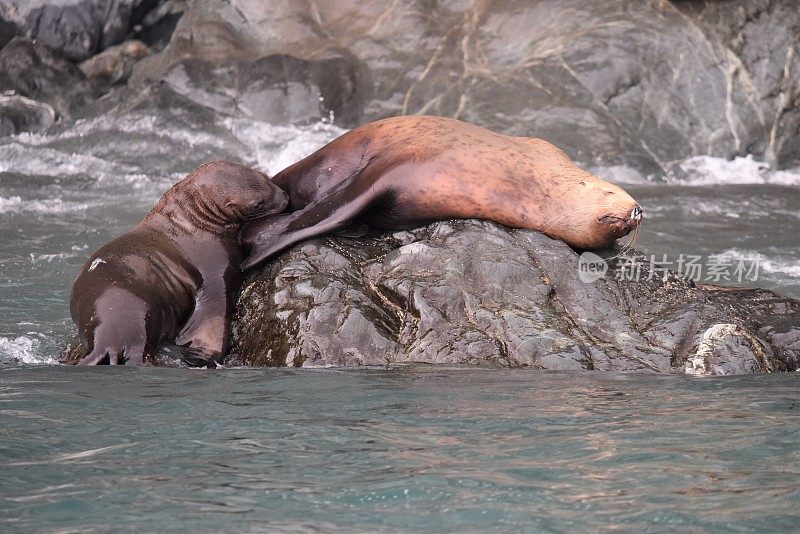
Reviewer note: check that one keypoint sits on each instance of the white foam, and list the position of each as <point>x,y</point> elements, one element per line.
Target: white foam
<point>708,170</point>
<point>133,124</point>
<point>277,147</point>
<point>767,264</point>
<point>16,204</point>
<point>619,174</point>
<point>306,143</point>
<point>43,161</point>
<point>10,204</point>
<point>24,349</point>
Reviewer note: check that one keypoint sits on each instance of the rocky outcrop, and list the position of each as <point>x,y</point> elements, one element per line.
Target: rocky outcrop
<point>762,43</point>
<point>472,292</point>
<point>35,71</point>
<point>31,69</point>
<point>78,29</point>
<point>611,81</point>
<point>640,83</point>
<point>41,68</point>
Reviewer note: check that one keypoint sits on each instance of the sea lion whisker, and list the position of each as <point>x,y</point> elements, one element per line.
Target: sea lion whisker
<point>627,247</point>
<point>551,222</point>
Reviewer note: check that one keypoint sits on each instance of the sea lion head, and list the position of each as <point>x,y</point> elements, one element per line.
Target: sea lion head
<point>587,212</point>
<point>594,214</point>
<point>226,194</point>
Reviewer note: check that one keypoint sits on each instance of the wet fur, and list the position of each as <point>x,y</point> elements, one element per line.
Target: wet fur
<point>175,276</point>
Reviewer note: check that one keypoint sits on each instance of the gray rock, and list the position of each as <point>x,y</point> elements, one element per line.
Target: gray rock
<point>21,114</point>
<point>472,292</point>
<point>477,293</point>
<point>277,88</point>
<point>763,39</point>
<point>611,81</point>
<point>33,70</point>
<point>8,30</point>
<point>115,64</point>
<point>76,28</point>
<point>156,27</point>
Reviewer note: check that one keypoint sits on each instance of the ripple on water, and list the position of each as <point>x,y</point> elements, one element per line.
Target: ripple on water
<point>401,449</point>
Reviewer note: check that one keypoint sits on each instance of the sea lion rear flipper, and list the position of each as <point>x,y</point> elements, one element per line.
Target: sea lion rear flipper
<point>97,357</point>
<point>339,207</point>
<point>127,356</point>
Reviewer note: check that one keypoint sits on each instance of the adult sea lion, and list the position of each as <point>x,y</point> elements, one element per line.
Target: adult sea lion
<point>403,172</point>
<point>175,276</point>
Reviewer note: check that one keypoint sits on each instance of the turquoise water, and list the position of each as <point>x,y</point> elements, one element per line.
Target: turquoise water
<point>405,449</point>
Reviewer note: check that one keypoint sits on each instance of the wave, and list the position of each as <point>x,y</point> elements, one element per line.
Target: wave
<point>44,161</point>
<point>768,264</point>
<point>703,171</point>
<point>25,350</point>
<point>16,204</point>
<point>277,147</point>
<point>708,170</point>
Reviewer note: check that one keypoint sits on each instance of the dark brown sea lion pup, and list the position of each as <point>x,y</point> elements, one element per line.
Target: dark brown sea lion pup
<point>175,276</point>
<point>408,171</point>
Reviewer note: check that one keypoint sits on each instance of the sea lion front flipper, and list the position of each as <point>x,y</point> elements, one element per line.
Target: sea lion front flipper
<point>339,207</point>
<point>204,337</point>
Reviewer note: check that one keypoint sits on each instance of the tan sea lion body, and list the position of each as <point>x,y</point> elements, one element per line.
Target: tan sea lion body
<point>407,171</point>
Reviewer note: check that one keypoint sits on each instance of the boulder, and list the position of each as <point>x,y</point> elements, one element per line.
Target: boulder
<point>78,29</point>
<point>8,30</point>
<point>477,293</point>
<point>279,89</point>
<point>21,114</point>
<point>35,71</point>
<point>474,292</point>
<point>611,81</point>
<point>115,64</point>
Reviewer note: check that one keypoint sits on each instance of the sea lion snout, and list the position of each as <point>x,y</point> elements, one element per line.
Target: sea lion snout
<point>620,223</point>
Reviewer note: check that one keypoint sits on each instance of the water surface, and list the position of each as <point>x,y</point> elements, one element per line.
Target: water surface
<point>408,449</point>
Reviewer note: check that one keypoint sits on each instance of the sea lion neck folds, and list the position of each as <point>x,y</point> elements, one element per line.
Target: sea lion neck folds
<point>175,276</point>
<point>407,171</point>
